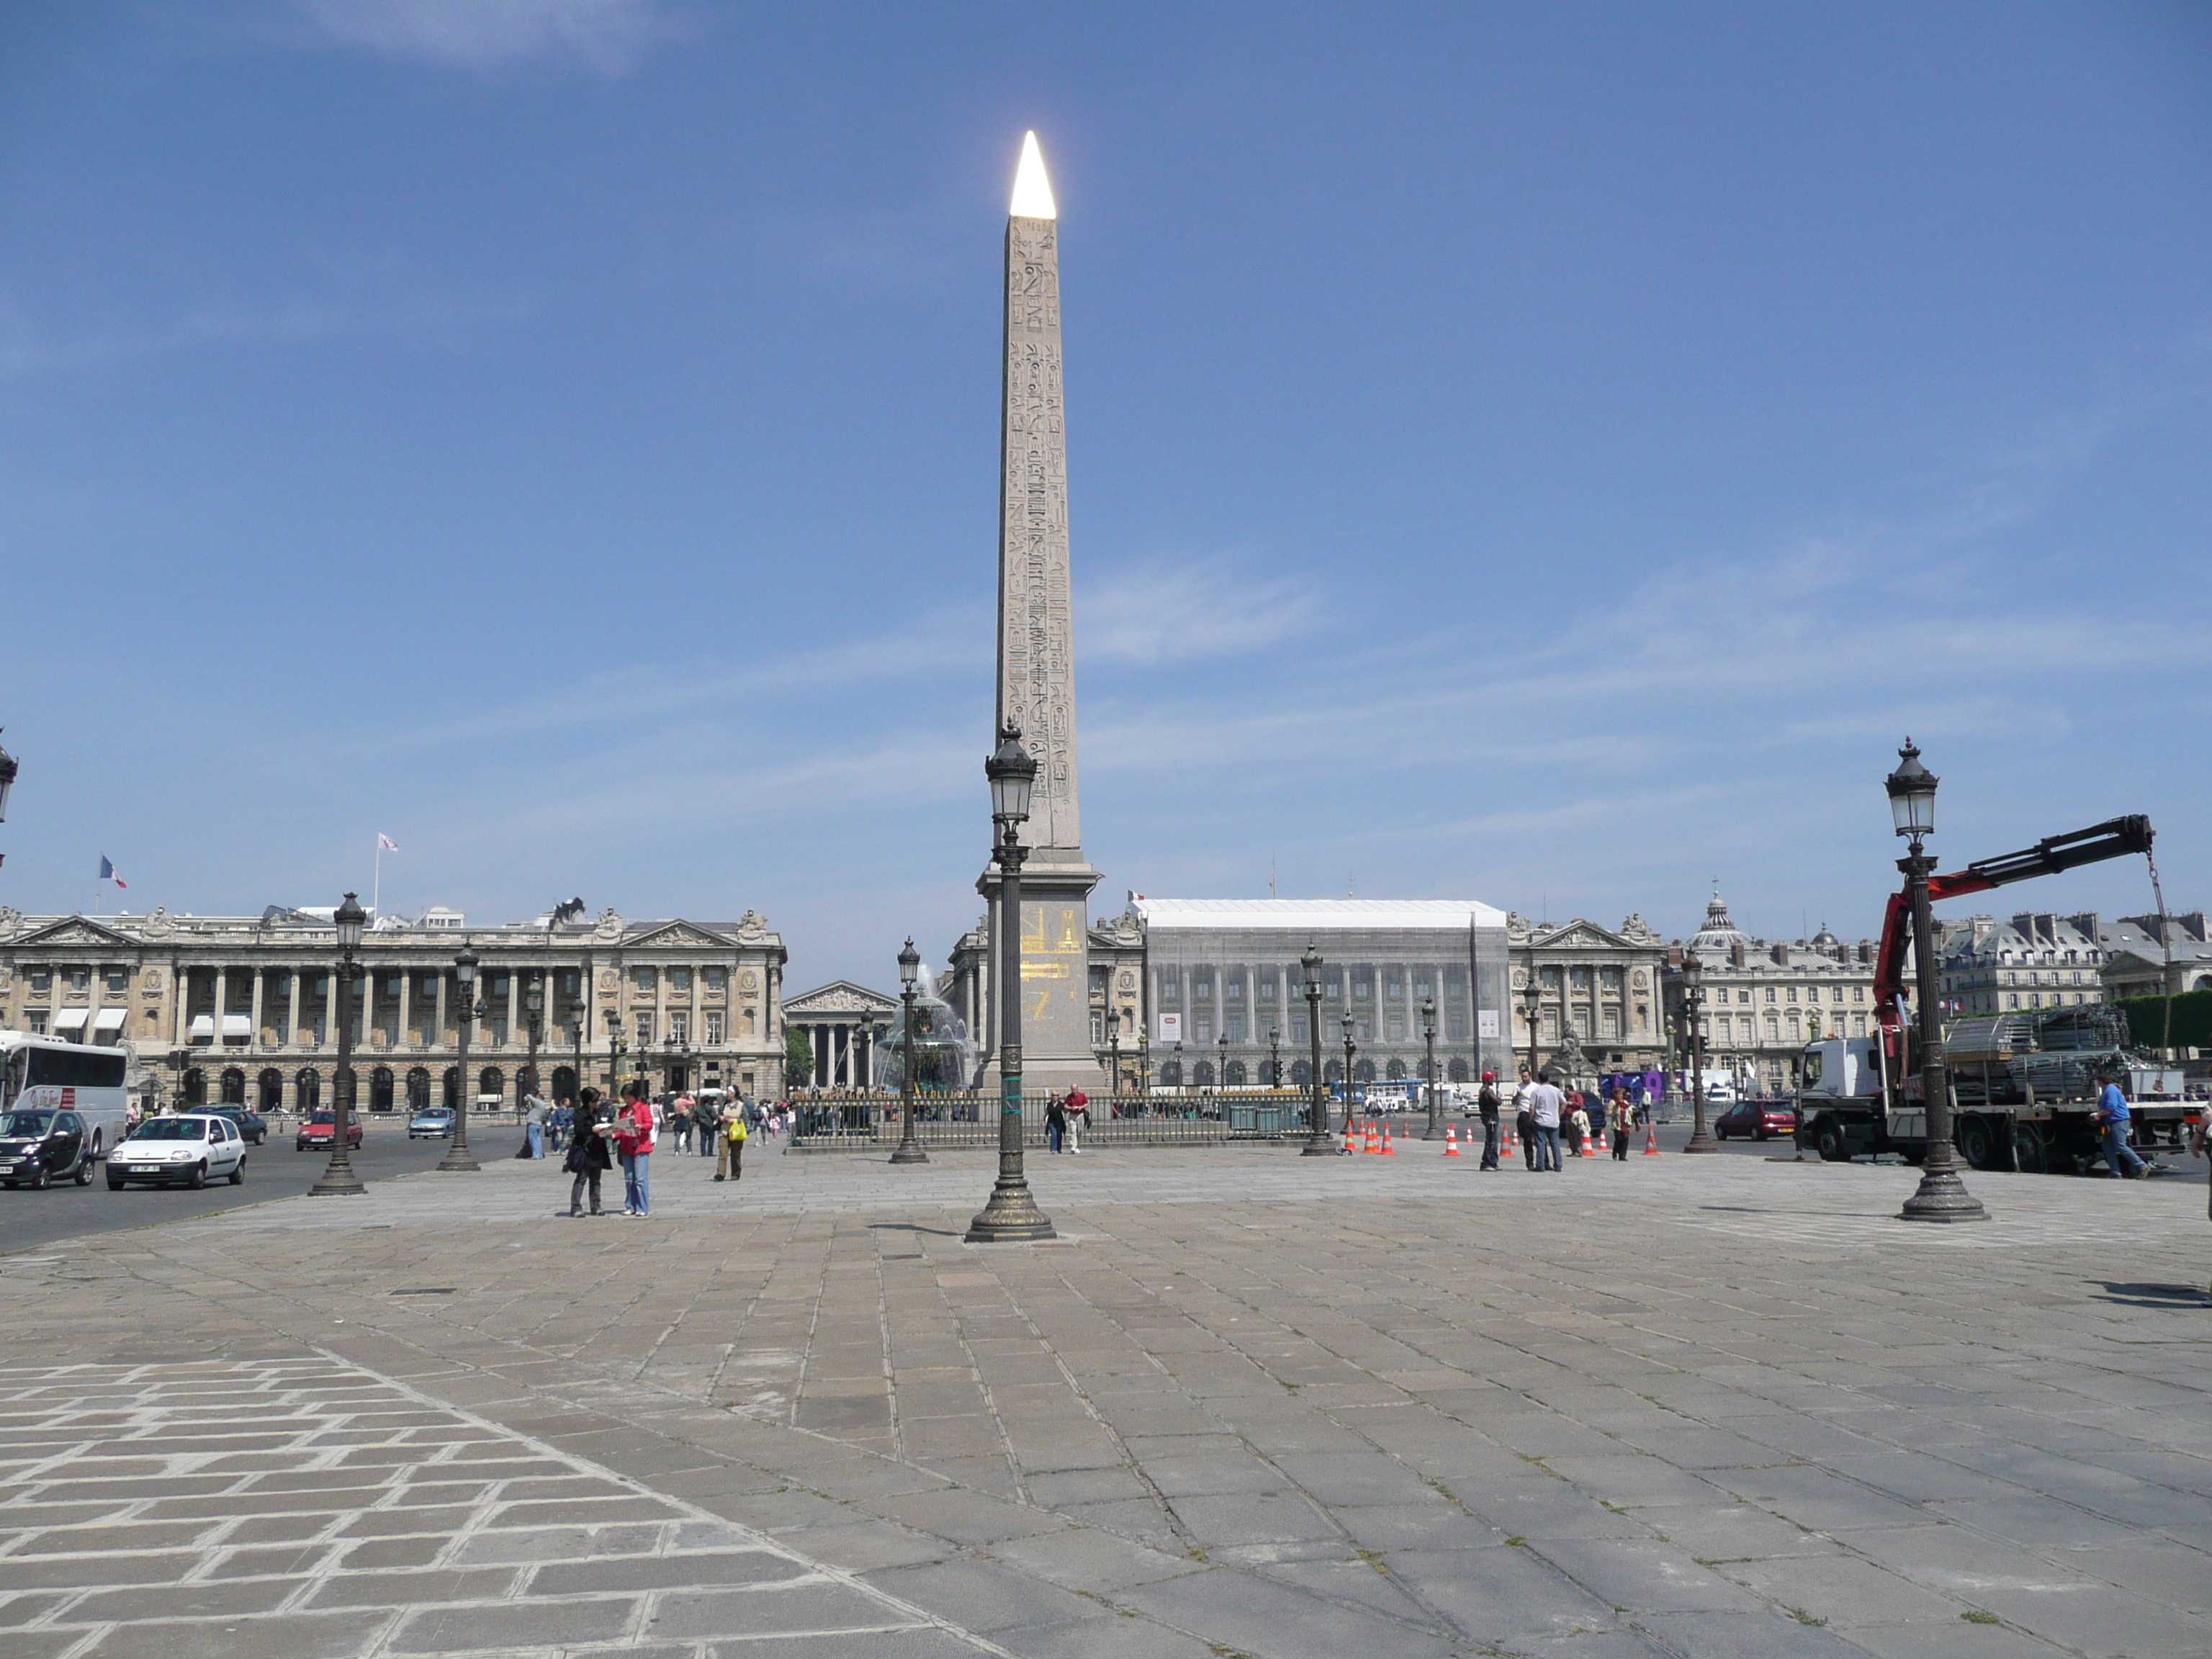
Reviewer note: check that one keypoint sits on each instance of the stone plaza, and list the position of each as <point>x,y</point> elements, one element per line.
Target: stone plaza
<point>1246,1404</point>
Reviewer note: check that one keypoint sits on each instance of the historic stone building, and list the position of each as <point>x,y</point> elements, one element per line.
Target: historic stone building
<point>1764,1001</point>
<point>845,1024</point>
<point>2037,960</point>
<point>1599,1007</point>
<point>2148,956</point>
<point>247,1008</point>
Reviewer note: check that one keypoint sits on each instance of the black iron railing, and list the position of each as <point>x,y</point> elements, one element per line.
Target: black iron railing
<point>862,1122</point>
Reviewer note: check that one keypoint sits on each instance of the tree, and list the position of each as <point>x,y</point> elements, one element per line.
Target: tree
<point>798,1059</point>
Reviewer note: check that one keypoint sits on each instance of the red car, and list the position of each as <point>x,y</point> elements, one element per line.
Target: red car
<point>1757,1119</point>
<point>321,1129</point>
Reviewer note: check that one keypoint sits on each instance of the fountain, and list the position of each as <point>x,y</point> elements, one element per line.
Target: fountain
<point>944,1061</point>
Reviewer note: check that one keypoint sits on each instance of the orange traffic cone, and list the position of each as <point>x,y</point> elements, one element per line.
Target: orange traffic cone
<point>1388,1151</point>
<point>1589,1145</point>
<point>1650,1138</point>
<point>1451,1141</point>
<point>1506,1148</point>
<point>1372,1146</point>
<point>1351,1140</point>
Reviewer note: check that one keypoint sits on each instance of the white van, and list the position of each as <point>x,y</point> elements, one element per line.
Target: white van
<point>45,1074</point>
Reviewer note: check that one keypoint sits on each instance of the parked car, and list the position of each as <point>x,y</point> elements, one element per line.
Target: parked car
<point>37,1147</point>
<point>1757,1119</point>
<point>250,1124</point>
<point>185,1151</point>
<point>431,1123</point>
<point>321,1129</point>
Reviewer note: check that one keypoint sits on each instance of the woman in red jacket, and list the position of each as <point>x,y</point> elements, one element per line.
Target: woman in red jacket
<point>633,1144</point>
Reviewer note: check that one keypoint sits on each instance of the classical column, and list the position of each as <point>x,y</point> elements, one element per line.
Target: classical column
<point>444,974</point>
<point>329,1007</point>
<point>221,1011</point>
<point>514,997</point>
<point>254,1040</point>
<point>406,1009</point>
<point>292,1021</point>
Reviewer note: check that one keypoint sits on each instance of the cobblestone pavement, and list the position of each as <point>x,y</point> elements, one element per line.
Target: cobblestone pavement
<point>1248,1404</point>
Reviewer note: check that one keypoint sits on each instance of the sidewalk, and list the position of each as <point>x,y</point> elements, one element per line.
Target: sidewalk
<point>1249,1403</point>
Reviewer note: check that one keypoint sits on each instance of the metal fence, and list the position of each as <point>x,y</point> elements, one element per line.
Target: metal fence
<point>869,1122</point>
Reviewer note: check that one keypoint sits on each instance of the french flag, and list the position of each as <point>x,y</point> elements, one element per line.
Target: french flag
<point>107,873</point>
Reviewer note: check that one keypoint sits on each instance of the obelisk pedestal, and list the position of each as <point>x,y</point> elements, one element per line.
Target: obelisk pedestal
<point>1036,654</point>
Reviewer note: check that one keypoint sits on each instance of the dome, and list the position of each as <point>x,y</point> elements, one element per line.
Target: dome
<point>1719,935</point>
<point>1825,940</point>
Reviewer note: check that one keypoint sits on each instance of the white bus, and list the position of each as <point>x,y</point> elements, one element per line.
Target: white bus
<point>44,1074</point>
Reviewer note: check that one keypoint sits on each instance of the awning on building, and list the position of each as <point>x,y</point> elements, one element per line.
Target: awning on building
<point>70,1019</point>
<point>202,1026</point>
<point>108,1019</point>
<point>237,1026</point>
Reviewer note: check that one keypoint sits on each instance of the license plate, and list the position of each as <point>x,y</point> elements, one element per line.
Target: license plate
<point>7,1168</point>
<point>142,1169</point>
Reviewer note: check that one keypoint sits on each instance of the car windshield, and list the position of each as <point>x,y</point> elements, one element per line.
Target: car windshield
<point>171,1128</point>
<point>324,1117</point>
<point>26,1123</point>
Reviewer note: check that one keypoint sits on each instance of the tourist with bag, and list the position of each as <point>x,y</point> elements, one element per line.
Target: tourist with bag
<point>732,1157</point>
<point>588,1158</point>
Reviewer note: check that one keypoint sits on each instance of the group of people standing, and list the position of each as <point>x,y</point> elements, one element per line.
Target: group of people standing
<point>601,1134</point>
<point>1066,1117</point>
<point>1542,1110</point>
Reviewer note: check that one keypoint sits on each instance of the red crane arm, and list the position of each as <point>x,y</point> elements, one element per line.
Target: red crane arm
<point>2113,838</point>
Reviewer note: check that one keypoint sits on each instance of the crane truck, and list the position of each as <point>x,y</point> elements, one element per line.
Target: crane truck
<point>2024,1086</point>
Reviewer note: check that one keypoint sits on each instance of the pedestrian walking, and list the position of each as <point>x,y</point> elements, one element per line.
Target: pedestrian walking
<point>1545,1103</point>
<point>563,1123</point>
<point>1078,1118</point>
<point>1524,1119</point>
<point>1055,1122</point>
<point>679,1122</point>
<point>1486,1105</point>
<point>633,1146</point>
<point>730,1160</point>
<point>1623,1117</point>
<point>706,1123</point>
<point>2112,1117</point>
<point>588,1156</point>
<point>1578,1125</point>
<point>534,1113</point>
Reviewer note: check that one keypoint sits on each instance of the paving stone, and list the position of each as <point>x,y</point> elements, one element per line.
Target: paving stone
<point>1745,1636</point>
<point>1242,1612</point>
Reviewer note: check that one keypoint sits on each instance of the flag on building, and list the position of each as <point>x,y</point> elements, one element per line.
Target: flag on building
<point>384,843</point>
<point>107,873</point>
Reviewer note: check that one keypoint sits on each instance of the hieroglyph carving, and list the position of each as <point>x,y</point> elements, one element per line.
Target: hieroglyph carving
<point>1036,645</point>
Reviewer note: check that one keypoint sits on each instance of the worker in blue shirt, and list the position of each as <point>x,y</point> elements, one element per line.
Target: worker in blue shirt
<point>2112,1126</point>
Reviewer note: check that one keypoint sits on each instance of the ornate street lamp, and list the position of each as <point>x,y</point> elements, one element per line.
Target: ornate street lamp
<point>458,1156</point>
<point>577,1063</point>
<point>616,1049</point>
<point>1317,1141</point>
<point>1010,1214</point>
<point>1532,1002</point>
<point>1275,1058</point>
<point>1942,1195</point>
<point>909,1148</point>
<point>1436,1131</point>
<point>533,1016</point>
<point>1114,1048</point>
<point>1693,1009</point>
<point>339,1179</point>
<point>1345,1020</point>
<point>1221,1065</point>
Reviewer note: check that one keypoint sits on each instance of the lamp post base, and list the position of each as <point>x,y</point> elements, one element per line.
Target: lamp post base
<point>459,1160</point>
<point>1701,1142</point>
<point>1942,1197</point>
<point>1011,1217</point>
<point>1327,1149</point>
<point>908,1151</point>
<point>347,1185</point>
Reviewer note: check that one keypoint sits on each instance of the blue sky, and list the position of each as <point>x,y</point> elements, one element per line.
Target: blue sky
<point>1547,454</point>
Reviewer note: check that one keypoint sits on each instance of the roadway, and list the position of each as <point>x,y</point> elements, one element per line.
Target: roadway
<point>29,1220</point>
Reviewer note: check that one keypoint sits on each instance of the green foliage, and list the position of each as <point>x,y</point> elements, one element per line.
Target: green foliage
<point>2192,1020</point>
<point>798,1059</point>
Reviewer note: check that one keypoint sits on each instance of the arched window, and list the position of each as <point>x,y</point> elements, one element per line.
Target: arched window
<point>194,1087</point>
<point>1333,1072</point>
<point>234,1086</point>
<point>1364,1070</point>
<point>307,1090</point>
<point>450,1084</point>
<point>1171,1074</point>
<point>1202,1073</point>
<point>564,1083</point>
<point>271,1092</point>
<point>1301,1074</point>
<point>380,1090</point>
<point>418,1088</point>
<point>492,1081</point>
<point>1236,1074</point>
<point>1457,1071</point>
<point>1395,1071</point>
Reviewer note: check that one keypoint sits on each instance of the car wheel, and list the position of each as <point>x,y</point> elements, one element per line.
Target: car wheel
<point>39,1179</point>
<point>1831,1145</point>
<point>1758,1134</point>
<point>114,1185</point>
<point>238,1172</point>
<point>197,1179</point>
<point>84,1170</point>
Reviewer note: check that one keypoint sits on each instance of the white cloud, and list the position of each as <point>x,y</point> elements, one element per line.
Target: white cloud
<point>1214,606</point>
<point>606,36</point>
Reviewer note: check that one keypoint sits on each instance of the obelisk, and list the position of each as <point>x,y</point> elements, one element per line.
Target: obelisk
<point>1036,652</point>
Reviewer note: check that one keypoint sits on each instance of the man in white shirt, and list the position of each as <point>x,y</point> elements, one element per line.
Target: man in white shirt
<point>1523,1125</point>
<point>1544,1103</point>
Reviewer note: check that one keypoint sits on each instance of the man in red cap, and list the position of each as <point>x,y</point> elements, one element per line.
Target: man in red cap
<point>1486,1103</point>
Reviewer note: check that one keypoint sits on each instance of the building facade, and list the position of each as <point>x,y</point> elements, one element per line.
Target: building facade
<point>1599,1007</point>
<point>246,1008</point>
<point>2150,956</point>
<point>2039,959</point>
<point>1764,1001</point>
<point>845,1024</point>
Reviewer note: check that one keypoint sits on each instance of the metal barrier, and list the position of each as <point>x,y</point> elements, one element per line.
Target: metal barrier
<point>869,1122</point>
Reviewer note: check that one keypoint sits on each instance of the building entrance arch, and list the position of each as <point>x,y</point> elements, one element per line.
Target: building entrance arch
<point>233,1085</point>
<point>307,1090</point>
<point>564,1083</point>
<point>270,1088</point>
<point>418,1088</point>
<point>380,1090</point>
<point>1364,1070</point>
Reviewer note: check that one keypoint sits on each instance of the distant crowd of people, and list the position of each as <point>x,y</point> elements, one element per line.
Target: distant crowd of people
<point>594,1134</point>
